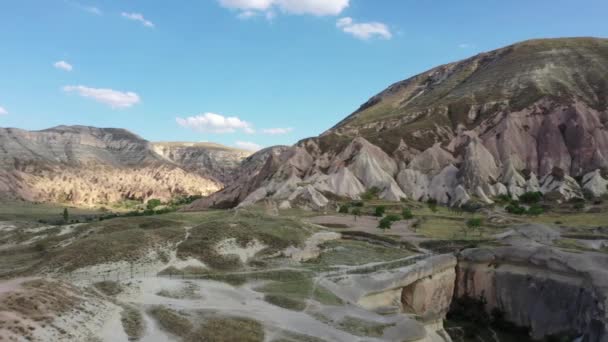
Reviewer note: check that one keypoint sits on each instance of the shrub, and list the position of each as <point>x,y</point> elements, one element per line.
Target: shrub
<point>535,210</point>
<point>503,198</point>
<point>407,214</point>
<point>579,206</point>
<point>473,223</point>
<point>531,197</point>
<point>393,218</point>
<point>515,208</point>
<point>432,203</point>
<point>356,212</point>
<point>380,210</point>
<point>371,193</point>
<point>471,207</point>
<point>153,203</point>
<point>385,223</point>
<point>356,204</point>
<point>343,209</point>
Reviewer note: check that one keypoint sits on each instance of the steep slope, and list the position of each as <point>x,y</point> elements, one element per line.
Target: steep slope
<point>211,160</point>
<point>91,166</point>
<point>528,117</point>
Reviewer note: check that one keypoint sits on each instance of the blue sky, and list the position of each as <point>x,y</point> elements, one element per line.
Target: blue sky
<point>246,72</point>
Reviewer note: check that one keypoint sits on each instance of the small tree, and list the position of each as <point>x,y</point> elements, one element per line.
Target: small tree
<point>343,209</point>
<point>66,215</point>
<point>472,224</point>
<point>407,214</point>
<point>380,210</point>
<point>153,203</point>
<point>356,212</point>
<point>385,223</point>
<point>432,203</point>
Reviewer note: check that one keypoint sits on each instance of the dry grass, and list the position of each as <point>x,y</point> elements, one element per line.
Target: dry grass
<point>229,329</point>
<point>132,322</point>
<point>109,288</point>
<point>171,321</point>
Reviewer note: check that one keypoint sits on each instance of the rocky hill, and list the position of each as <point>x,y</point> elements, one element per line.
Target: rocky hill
<point>91,166</point>
<point>211,160</point>
<point>528,117</point>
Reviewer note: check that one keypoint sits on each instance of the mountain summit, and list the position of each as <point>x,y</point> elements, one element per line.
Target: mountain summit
<point>528,117</point>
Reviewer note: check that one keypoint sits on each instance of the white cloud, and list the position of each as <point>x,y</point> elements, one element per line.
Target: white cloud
<point>466,46</point>
<point>299,7</point>
<point>137,17</point>
<point>92,10</point>
<point>63,65</point>
<point>113,98</point>
<point>364,31</point>
<point>277,131</point>
<point>247,145</point>
<point>3,111</point>
<point>247,14</point>
<point>215,123</point>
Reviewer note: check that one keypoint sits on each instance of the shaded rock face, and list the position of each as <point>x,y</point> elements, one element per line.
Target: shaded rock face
<point>92,166</point>
<point>550,291</point>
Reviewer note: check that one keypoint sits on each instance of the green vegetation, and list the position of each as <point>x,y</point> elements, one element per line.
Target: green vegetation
<point>285,302</point>
<point>379,211</point>
<point>292,294</point>
<point>229,329</point>
<point>153,203</point>
<point>290,336</point>
<point>531,197</point>
<point>66,215</point>
<point>432,204</point>
<point>360,327</point>
<point>515,208</point>
<point>171,321</point>
<point>353,253</point>
<point>343,209</point>
<point>473,224</point>
<point>277,233</point>
<point>406,213</point>
<point>356,212</point>
<point>132,322</point>
<point>371,194</point>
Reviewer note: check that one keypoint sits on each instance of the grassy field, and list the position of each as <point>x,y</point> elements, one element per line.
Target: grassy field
<point>18,210</point>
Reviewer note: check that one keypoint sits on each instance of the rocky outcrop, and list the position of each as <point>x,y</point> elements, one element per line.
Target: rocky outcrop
<point>594,184</point>
<point>548,290</point>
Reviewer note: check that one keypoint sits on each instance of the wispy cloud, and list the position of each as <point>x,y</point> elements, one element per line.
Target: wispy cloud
<point>248,8</point>
<point>92,10</point>
<point>215,123</point>
<point>277,131</point>
<point>87,8</point>
<point>364,31</point>
<point>113,98</point>
<point>138,17</point>
<point>63,65</point>
<point>248,145</point>
<point>3,111</point>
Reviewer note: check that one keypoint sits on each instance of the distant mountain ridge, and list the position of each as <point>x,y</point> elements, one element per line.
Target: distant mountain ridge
<point>89,166</point>
<point>532,116</point>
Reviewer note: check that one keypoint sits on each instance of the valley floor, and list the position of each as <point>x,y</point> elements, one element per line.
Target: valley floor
<point>252,275</point>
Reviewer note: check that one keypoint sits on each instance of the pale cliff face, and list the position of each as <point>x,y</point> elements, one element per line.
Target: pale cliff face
<point>93,166</point>
<point>211,160</point>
